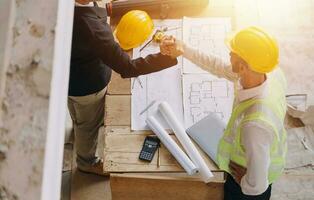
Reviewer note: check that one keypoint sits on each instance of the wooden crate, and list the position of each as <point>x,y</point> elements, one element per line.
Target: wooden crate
<point>169,186</point>
<point>118,85</point>
<point>118,110</point>
<point>141,180</point>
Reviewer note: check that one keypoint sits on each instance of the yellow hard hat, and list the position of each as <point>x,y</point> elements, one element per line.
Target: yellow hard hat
<point>258,48</point>
<point>133,29</point>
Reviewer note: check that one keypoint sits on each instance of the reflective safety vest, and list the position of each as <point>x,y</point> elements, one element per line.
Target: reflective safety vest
<point>269,110</point>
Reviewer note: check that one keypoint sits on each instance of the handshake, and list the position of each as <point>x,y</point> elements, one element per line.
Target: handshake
<point>171,47</point>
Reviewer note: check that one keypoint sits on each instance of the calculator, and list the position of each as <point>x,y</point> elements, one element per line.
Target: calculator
<point>150,145</point>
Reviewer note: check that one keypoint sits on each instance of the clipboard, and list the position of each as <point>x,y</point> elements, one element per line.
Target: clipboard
<point>207,134</point>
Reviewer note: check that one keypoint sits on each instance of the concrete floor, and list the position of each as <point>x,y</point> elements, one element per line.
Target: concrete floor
<point>80,186</point>
<point>75,184</point>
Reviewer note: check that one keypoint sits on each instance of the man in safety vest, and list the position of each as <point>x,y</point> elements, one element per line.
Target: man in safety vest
<point>253,148</point>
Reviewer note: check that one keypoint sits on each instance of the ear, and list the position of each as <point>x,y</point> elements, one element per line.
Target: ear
<point>242,68</point>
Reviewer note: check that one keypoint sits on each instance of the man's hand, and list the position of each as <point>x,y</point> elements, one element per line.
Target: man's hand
<point>166,43</point>
<point>237,171</point>
<point>171,47</point>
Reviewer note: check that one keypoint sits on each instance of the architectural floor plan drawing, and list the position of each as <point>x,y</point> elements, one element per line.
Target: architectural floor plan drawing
<point>207,35</point>
<point>149,90</point>
<point>191,92</point>
<point>204,94</point>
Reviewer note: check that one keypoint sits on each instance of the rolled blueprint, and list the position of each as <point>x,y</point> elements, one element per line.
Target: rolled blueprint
<point>186,142</point>
<point>171,145</point>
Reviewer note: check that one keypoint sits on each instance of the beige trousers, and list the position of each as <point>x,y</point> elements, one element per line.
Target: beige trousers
<point>87,113</point>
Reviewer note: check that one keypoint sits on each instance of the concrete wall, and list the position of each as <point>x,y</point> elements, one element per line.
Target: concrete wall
<point>24,110</point>
<point>6,21</point>
<point>292,23</point>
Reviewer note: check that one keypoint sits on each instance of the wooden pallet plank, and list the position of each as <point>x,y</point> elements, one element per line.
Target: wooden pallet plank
<point>122,147</point>
<point>118,110</point>
<point>158,187</point>
<point>118,85</point>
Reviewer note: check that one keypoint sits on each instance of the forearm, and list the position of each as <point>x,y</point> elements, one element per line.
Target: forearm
<point>255,181</point>
<point>127,67</point>
<point>151,63</point>
<point>210,63</point>
<point>257,140</point>
<point>116,58</point>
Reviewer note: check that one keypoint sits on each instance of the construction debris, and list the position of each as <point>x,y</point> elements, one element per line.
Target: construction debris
<point>297,181</point>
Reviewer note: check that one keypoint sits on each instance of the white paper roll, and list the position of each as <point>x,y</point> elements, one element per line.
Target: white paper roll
<point>171,145</point>
<point>185,140</point>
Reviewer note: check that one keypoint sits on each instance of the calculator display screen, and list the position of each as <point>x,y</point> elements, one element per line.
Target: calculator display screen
<point>151,142</point>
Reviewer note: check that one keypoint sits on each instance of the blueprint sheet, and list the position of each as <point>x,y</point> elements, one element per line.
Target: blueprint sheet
<point>191,92</point>
<point>204,94</point>
<point>207,35</point>
<point>157,87</point>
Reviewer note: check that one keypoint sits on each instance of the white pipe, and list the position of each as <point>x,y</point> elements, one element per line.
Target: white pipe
<point>186,142</point>
<point>171,145</point>
<point>52,172</point>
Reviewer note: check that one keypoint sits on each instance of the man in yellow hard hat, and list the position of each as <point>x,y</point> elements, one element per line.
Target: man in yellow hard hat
<point>94,54</point>
<point>253,148</point>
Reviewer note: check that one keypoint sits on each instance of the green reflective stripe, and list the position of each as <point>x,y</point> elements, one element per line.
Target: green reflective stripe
<point>279,151</point>
<point>277,162</point>
<point>284,135</point>
<point>224,145</point>
<point>282,147</point>
<point>224,149</point>
<point>273,176</point>
<point>239,151</point>
<point>275,169</point>
<point>224,154</point>
<point>243,106</point>
<point>223,164</point>
<point>229,138</point>
<point>277,159</point>
<point>225,141</point>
